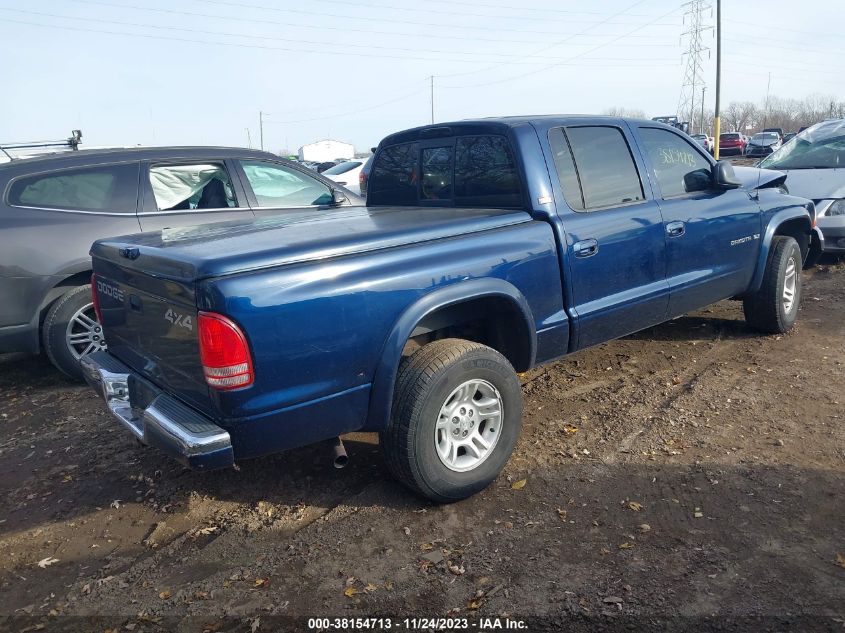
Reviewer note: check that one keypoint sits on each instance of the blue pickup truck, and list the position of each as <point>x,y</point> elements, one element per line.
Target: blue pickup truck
<point>487,247</point>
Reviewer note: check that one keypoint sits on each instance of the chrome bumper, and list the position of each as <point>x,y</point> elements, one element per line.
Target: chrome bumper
<point>156,418</point>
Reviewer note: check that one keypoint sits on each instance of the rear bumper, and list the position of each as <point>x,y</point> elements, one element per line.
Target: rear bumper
<point>156,418</point>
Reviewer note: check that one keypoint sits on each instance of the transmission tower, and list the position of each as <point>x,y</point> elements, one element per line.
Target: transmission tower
<point>693,57</point>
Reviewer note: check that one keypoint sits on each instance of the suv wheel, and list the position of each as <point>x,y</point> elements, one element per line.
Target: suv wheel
<point>457,414</point>
<point>774,308</point>
<point>71,331</point>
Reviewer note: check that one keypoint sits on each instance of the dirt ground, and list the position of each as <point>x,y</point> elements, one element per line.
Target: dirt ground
<point>690,477</point>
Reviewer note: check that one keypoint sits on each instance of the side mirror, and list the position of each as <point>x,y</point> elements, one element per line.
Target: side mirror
<point>338,197</point>
<point>724,176</point>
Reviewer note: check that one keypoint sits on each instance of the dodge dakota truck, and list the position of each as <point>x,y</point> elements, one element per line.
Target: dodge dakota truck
<point>486,248</point>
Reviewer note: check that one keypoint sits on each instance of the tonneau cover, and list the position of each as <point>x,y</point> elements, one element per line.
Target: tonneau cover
<point>210,250</point>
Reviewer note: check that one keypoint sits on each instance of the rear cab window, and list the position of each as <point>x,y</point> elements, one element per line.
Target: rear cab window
<point>102,188</point>
<point>461,171</point>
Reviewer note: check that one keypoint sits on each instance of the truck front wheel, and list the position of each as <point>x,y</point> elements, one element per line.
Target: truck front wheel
<point>774,308</point>
<point>457,414</point>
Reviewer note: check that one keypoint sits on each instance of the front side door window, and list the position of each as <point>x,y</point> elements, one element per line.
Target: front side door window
<point>276,186</point>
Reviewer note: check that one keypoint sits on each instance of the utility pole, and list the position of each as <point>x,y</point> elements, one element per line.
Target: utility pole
<point>693,73</point>
<point>766,109</point>
<point>248,138</point>
<point>432,98</point>
<point>261,128</point>
<point>701,122</point>
<point>716,121</point>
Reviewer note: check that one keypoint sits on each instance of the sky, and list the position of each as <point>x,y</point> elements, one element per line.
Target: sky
<point>198,72</point>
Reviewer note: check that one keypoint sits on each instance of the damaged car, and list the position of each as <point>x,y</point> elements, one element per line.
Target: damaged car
<point>814,164</point>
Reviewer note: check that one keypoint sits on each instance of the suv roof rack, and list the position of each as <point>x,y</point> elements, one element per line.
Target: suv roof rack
<point>72,142</point>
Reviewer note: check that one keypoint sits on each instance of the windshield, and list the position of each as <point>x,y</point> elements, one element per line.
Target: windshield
<point>729,137</point>
<point>765,136</point>
<point>821,146</point>
<point>342,168</point>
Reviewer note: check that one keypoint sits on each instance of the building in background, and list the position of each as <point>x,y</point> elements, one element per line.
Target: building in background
<point>326,150</point>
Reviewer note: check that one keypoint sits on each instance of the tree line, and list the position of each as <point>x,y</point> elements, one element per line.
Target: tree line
<point>749,117</point>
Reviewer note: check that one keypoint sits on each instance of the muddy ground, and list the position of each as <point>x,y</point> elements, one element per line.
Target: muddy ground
<point>690,476</point>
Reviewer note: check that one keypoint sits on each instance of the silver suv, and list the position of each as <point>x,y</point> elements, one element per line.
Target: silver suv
<point>53,207</point>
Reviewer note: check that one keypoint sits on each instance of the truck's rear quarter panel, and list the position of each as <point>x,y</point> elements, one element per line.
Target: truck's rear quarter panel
<point>318,330</point>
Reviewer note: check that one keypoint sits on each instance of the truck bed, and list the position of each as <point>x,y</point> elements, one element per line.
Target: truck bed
<point>189,254</point>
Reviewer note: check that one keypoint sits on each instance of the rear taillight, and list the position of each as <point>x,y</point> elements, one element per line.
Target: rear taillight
<point>362,178</point>
<point>95,298</point>
<point>224,352</point>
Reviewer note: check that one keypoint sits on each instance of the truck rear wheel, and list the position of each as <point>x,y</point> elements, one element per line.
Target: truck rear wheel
<point>774,308</point>
<point>71,331</point>
<point>457,414</point>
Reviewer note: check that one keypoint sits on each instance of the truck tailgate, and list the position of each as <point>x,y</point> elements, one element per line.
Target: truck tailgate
<point>150,324</point>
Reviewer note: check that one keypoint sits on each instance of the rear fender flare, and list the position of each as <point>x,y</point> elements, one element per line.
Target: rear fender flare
<point>381,395</point>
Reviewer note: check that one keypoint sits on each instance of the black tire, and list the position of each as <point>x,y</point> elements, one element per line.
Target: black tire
<point>765,310</point>
<point>55,329</point>
<point>424,383</point>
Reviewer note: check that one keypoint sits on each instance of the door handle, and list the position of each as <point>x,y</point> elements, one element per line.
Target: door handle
<point>586,248</point>
<point>675,229</point>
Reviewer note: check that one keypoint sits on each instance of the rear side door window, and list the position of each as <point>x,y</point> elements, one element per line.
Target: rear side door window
<point>192,186</point>
<point>277,186</point>
<point>679,167</point>
<point>104,189</point>
<point>604,168</point>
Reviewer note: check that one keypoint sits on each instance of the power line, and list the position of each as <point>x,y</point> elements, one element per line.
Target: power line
<point>567,61</point>
<point>345,28</point>
<point>439,25</point>
<point>344,53</point>
<point>284,39</point>
<point>553,44</point>
<point>429,11</point>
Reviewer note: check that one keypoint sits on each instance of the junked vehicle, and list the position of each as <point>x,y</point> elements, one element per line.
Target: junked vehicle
<point>814,162</point>
<point>488,247</point>
<point>762,144</point>
<point>705,141</point>
<point>54,206</point>
<point>346,174</point>
<point>732,143</point>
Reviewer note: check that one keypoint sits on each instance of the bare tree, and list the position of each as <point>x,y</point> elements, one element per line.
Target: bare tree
<point>739,114</point>
<point>633,113</point>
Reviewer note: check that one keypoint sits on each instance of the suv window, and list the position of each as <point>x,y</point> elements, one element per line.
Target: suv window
<point>485,173</point>
<point>278,186</point>
<point>394,175</point>
<point>604,166</point>
<point>192,186</point>
<point>678,166</point>
<point>107,188</point>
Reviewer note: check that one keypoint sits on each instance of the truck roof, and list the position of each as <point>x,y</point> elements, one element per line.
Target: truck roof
<point>500,125</point>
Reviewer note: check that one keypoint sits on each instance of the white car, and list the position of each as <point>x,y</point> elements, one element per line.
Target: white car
<point>705,141</point>
<point>346,174</point>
